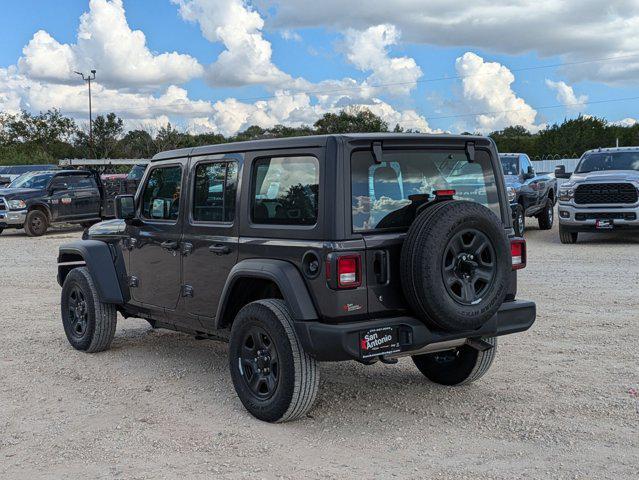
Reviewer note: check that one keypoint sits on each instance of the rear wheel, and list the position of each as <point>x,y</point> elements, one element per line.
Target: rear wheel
<point>519,221</point>
<point>274,378</point>
<point>36,223</point>
<point>460,366</point>
<point>546,217</point>
<point>566,236</point>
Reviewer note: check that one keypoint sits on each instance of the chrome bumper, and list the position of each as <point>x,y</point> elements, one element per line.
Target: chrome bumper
<point>13,218</point>
<point>569,215</point>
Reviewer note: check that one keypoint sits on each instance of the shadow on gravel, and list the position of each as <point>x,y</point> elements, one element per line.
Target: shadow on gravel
<point>50,233</point>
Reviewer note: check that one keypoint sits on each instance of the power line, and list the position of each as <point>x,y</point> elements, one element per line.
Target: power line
<point>413,82</point>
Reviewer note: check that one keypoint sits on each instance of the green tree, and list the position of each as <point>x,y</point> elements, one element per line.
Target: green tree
<point>357,120</point>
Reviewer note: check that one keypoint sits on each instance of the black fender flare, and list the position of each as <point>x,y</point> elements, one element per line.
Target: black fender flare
<point>284,274</point>
<point>101,265</point>
<point>41,206</point>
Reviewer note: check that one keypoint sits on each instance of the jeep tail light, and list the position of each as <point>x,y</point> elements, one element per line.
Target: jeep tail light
<point>518,253</point>
<point>349,271</point>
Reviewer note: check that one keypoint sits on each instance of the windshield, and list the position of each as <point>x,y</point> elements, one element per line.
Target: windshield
<point>37,180</point>
<point>510,165</point>
<point>136,173</point>
<point>601,161</point>
<point>387,195</point>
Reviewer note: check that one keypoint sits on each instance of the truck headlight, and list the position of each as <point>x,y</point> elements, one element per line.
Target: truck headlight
<point>567,192</point>
<point>17,204</point>
<point>512,194</point>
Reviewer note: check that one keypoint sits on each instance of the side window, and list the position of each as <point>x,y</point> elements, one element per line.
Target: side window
<point>215,191</point>
<point>525,163</point>
<point>161,195</point>
<point>285,191</point>
<point>61,182</point>
<point>75,182</point>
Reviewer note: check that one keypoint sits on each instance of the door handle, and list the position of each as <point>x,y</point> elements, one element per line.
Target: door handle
<point>169,245</point>
<point>219,249</point>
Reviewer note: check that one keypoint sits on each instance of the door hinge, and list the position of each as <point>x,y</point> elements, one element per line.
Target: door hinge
<point>187,291</point>
<point>133,282</point>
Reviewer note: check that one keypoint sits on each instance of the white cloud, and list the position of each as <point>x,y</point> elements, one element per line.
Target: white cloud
<point>566,95</point>
<point>291,35</point>
<point>626,122</point>
<point>575,29</point>
<point>247,57</point>
<point>368,50</point>
<point>487,88</point>
<point>105,42</point>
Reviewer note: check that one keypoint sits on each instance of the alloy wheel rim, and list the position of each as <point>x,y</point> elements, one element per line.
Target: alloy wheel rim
<point>259,363</point>
<point>78,312</point>
<point>469,266</point>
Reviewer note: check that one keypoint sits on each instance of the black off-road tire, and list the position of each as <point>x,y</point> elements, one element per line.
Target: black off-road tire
<point>460,366</point>
<point>566,236</point>
<point>425,265</point>
<point>1,230</point>
<point>95,331</point>
<point>297,381</point>
<point>519,221</point>
<point>36,223</point>
<point>547,216</point>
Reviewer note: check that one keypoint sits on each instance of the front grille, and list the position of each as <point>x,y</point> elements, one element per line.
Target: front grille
<point>3,205</point>
<point>606,193</point>
<point>606,216</point>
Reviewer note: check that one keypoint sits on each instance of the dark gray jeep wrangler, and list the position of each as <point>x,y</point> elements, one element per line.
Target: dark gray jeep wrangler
<point>325,248</point>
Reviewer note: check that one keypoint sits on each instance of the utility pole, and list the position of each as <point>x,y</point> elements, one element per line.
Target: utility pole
<point>88,79</point>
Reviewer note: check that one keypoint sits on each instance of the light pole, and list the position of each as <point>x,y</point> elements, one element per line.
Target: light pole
<point>88,79</point>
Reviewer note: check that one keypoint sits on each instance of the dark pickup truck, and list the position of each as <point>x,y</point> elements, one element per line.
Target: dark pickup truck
<point>530,194</point>
<point>38,199</point>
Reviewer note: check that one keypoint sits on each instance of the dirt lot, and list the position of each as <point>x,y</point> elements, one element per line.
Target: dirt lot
<point>161,405</point>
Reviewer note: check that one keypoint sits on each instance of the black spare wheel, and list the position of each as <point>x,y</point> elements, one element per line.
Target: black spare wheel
<point>455,265</point>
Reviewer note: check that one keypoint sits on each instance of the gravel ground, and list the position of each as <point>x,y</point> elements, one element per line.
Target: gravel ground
<point>161,404</point>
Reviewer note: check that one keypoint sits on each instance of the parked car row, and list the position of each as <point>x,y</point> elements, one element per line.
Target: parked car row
<point>601,195</point>
<point>42,197</point>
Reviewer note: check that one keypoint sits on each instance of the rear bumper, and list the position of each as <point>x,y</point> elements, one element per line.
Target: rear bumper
<point>328,342</point>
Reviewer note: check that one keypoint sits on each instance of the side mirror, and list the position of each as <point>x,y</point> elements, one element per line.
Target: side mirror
<point>125,207</point>
<point>529,173</point>
<point>560,172</point>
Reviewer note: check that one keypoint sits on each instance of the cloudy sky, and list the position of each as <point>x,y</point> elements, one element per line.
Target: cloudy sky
<point>223,65</point>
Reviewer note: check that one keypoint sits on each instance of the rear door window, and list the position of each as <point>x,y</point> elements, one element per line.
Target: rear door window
<point>214,193</point>
<point>387,195</point>
<point>285,191</point>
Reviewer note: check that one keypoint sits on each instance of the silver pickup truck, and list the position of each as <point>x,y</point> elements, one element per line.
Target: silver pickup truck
<point>601,195</point>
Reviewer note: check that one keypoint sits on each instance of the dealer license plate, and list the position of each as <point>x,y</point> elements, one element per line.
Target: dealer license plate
<point>379,341</point>
<point>604,224</point>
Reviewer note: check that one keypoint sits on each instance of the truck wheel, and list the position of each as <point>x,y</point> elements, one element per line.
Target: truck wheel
<point>36,223</point>
<point>1,230</point>
<point>547,216</point>
<point>88,323</point>
<point>460,366</point>
<point>519,221</point>
<point>567,237</point>
<point>455,265</point>
<point>274,378</point>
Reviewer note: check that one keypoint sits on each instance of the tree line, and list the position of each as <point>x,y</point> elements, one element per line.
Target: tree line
<point>46,137</point>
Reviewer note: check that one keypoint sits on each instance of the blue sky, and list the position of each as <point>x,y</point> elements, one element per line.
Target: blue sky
<point>239,63</point>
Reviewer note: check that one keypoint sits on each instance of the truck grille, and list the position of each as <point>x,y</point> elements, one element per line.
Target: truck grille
<point>603,193</point>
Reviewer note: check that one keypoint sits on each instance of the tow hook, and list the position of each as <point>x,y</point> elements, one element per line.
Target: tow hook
<point>479,344</point>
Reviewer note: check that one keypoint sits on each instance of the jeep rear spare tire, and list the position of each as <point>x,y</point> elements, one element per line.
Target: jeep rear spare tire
<point>455,265</point>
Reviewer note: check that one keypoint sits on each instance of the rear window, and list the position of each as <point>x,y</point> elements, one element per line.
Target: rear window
<point>285,191</point>
<point>387,195</point>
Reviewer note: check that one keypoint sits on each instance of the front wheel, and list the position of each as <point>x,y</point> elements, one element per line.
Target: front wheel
<point>546,217</point>
<point>274,378</point>
<point>88,323</point>
<point>519,221</point>
<point>567,237</point>
<point>36,223</point>
<point>459,366</point>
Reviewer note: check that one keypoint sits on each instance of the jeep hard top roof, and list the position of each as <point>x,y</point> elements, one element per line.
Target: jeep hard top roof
<point>320,141</point>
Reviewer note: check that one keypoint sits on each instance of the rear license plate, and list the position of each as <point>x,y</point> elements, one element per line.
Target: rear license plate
<point>379,341</point>
<point>604,224</point>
